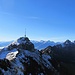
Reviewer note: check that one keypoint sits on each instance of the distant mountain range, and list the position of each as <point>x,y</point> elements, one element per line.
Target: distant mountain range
<point>43,44</point>
<point>38,44</point>
<point>5,43</point>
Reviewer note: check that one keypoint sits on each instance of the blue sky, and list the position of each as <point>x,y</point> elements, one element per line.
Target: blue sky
<point>43,19</point>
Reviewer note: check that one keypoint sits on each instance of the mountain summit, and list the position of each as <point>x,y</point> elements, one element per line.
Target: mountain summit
<point>22,43</point>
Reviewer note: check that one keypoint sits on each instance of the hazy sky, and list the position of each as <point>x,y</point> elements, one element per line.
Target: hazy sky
<point>43,19</point>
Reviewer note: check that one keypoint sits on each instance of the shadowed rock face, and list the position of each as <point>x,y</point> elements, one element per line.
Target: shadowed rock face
<point>20,58</point>
<point>46,50</point>
<point>63,57</point>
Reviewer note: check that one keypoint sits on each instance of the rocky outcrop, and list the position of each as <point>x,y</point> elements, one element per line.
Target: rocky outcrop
<point>46,50</point>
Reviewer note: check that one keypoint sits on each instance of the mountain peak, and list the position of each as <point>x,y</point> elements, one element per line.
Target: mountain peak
<point>67,42</point>
<point>23,40</point>
<point>21,58</point>
<point>22,43</point>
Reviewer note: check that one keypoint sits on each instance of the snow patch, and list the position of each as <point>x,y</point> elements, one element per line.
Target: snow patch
<point>11,55</point>
<point>4,53</point>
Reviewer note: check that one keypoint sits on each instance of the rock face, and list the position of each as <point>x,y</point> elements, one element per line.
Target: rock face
<point>20,58</point>
<point>46,50</point>
<point>63,57</point>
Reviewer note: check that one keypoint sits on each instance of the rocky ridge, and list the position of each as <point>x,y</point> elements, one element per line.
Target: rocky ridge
<point>21,58</point>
